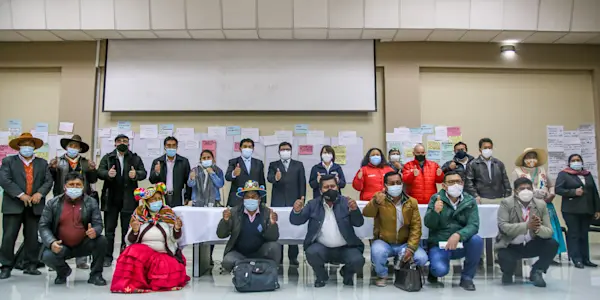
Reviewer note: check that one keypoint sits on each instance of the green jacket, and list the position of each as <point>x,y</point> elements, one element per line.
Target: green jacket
<point>464,220</point>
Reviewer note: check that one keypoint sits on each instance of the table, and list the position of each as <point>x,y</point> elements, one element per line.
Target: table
<point>200,229</point>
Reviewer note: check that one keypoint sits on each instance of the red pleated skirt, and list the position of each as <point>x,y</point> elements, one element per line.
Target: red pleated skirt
<point>140,269</point>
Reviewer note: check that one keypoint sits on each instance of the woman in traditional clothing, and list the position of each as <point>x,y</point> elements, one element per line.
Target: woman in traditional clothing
<point>530,165</point>
<point>152,260</point>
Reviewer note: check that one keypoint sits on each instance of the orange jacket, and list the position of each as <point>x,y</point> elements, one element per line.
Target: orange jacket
<point>422,186</point>
<point>371,181</point>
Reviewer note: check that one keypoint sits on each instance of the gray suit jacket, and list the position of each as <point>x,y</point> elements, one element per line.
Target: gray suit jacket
<point>13,181</point>
<point>291,186</point>
<point>511,224</point>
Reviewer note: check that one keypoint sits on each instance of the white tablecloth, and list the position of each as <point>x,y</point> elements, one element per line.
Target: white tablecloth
<point>200,224</point>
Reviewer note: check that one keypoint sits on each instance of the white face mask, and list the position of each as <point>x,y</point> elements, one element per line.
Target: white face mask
<point>326,157</point>
<point>395,157</point>
<point>525,195</point>
<point>455,190</point>
<point>285,154</point>
<point>394,190</point>
<point>487,153</point>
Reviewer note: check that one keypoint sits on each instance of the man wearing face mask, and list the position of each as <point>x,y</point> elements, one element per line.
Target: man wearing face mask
<point>251,227</point>
<point>71,226</point>
<point>486,178</point>
<point>395,163</point>
<point>453,221</point>
<point>242,169</point>
<point>398,227</point>
<point>330,237</point>
<point>524,234</point>
<point>72,161</point>
<point>174,171</point>
<point>421,176</point>
<point>289,183</point>
<point>121,170</point>
<point>460,161</point>
<point>26,181</point>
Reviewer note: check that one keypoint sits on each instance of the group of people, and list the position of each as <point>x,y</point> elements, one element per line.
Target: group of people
<point>70,225</point>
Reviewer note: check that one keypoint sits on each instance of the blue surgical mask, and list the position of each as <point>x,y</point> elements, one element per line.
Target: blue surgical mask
<point>247,152</point>
<point>26,151</point>
<point>155,206</point>
<point>74,193</point>
<point>207,163</point>
<point>576,165</point>
<point>72,152</point>
<point>251,204</point>
<point>171,152</point>
<point>394,190</point>
<point>375,160</point>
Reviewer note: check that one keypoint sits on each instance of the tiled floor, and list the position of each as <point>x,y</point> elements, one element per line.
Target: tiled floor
<point>564,282</point>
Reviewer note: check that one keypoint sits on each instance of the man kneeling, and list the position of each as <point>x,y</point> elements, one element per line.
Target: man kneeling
<point>330,236</point>
<point>71,226</point>
<point>252,227</point>
<point>524,231</point>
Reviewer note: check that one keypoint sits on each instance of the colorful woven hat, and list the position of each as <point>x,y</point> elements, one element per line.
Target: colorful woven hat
<point>142,193</point>
<point>252,185</point>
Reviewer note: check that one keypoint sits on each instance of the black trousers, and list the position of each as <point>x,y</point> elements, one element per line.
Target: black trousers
<point>111,219</point>
<point>578,244</point>
<point>544,249</point>
<point>96,248</point>
<point>11,224</point>
<point>317,255</point>
<point>292,252</point>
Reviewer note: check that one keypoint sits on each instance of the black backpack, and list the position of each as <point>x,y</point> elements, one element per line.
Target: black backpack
<point>255,275</point>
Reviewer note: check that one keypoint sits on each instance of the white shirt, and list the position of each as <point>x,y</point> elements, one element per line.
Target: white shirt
<point>524,238</point>
<point>455,204</point>
<point>399,216</point>
<point>170,168</point>
<point>121,159</point>
<point>154,239</point>
<point>330,235</point>
<point>28,162</point>
<point>286,164</point>
<point>327,167</point>
<point>582,178</point>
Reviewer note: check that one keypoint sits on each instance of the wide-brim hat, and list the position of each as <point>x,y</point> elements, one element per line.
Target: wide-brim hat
<point>542,156</point>
<point>14,143</point>
<point>249,186</point>
<point>76,138</point>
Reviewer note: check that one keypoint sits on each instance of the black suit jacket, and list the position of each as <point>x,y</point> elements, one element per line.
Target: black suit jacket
<point>291,186</point>
<point>117,192</point>
<point>257,173</point>
<point>181,172</point>
<point>13,181</point>
<point>587,204</point>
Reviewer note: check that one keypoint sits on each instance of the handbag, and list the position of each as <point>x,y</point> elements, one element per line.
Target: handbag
<point>408,276</point>
<point>255,275</point>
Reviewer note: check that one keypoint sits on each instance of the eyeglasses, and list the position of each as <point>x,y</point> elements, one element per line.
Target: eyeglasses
<point>453,182</point>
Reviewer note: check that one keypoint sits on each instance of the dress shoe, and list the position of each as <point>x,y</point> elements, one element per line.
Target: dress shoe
<point>97,280</point>
<point>62,279</point>
<point>319,283</point>
<point>555,263</point>
<point>381,281</point>
<point>107,263</point>
<point>507,279</point>
<point>5,273</point>
<point>31,270</point>
<point>347,280</point>
<point>467,285</point>
<point>578,265</point>
<point>536,278</point>
<point>590,264</point>
<point>83,266</point>
<point>434,281</point>
<point>294,262</point>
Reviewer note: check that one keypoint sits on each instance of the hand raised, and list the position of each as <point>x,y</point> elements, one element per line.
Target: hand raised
<point>439,205</point>
<point>299,204</point>
<point>132,173</point>
<point>210,170</point>
<point>193,175</point>
<point>178,223</point>
<point>112,172</point>
<point>53,163</point>
<point>319,177</point>
<point>157,167</point>
<point>352,205</point>
<point>452,166</point>
<point>135,225</point>
<point>92,165</point>
<point>380,198</point>
<point>226,214</point>
<point>237,170</point>
<point>90,232</point>
<point>278,175</point>
<point>416,172</point>
<point>579,191</point>
<point>273,217</point>
<point>438,172</point>
<point>360,174</point>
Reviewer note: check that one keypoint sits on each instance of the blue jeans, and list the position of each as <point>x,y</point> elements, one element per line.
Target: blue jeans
<point>381,251</point>
<point>440,258</point>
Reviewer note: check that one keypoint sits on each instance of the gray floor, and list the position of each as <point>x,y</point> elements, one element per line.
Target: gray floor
<point>564,282</point>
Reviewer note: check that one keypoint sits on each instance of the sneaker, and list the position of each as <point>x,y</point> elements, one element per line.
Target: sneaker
<point>537,279</point>
<point>381,281</point>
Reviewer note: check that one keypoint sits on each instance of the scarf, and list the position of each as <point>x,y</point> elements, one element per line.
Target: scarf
<point>536,174</point>
<point>143,215</point>
<point>581,172</point>
<point>205,193</point>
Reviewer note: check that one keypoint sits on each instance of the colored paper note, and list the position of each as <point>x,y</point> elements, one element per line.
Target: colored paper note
<point>427,129</point>
<point>453,131</point>
<point>340,154</point>
<point>454,139</point>
<point>210,145</point>
<point>236,147</point>
<point>41,127</point>
<point>14,123</point>
<point>234,130</point>
<point>124,125</point>
<point>305,149</point>
<point>433,145</point>
<point>301,128</point>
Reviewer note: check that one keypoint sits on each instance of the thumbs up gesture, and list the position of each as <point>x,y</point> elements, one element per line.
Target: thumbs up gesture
<point>237,170</point>
<point>379,198</point>
<point>91,232</point>
<point>438,172</point>
<point>112,172</point>
<point>56,246</point>
<point>193,175</point>
<point>278,175</point>
<point>157,168</point>
<point>352,204</point>
<point>226,214</point>
<point>439,205</point>
<point>416,172</point>
<point>178,224</point>
<point>135,225</point>
<point>132,173</point>
<point>360,174</point>
<point>298,205</point>
<point>273,217</point>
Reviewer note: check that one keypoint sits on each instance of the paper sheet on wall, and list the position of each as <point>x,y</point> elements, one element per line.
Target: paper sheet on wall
<point>191,144</point>
<point>284,136</point>
<point>217,132</point>
<point>250,133</point>
<point>210,145</point>
<point>5,151</point>
<point>301,128</point>
<point>4,135</point>
<point>234,130</point>
<point>554,131</point>
<point>107,145</point>
<point>441,133</point>
<point>315,137</point>
<point>402,130</point>
<point>269,140</point>
<point>447,151</point>
<point>305,149</point>
<point>165,130</point>
<point>104,133</point>
<point>153,144</point>
<point>587,130</point>
<point>40,135</point>
<point>455,139</point>
<point>427,129</point>
<point>415,130</point>
<point>149,131</point>
<point>434,145</point>
<point>124,125</point>
<point>555,144</point>
<point>185,134</point>
<point>453,131</point>
<point>346,138</point>
<point>397,137</point>
<point>416,138</point>
<point>41,127</point>
<point>340,154</point>
<point>66,127</point>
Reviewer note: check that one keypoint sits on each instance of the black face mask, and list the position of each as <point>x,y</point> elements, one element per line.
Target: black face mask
<point>420,158</point>
<point>461,154</point>
<point>122,147</point>
<point>330,195</point>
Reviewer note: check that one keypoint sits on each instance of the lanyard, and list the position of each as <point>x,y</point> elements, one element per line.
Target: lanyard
<point>526,216</point>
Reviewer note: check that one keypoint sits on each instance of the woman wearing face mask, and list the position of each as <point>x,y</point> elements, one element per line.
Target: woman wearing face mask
<point>206,180</point>
<point>395,162</point>
<point>152,260</point>
<point>327,166</point>
<point>580,205</point>
<point>530,165</point>
<point>369,178</point>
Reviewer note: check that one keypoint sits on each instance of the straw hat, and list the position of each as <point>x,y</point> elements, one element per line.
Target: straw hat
<point>76,138</point>
<point>14,143</point>
<point>252,185</point>
<point>542,156</point>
